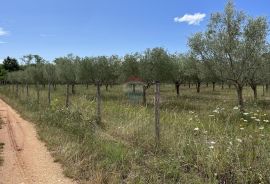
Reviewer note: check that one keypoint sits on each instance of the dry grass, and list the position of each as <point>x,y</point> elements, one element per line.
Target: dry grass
<point>204,139</point>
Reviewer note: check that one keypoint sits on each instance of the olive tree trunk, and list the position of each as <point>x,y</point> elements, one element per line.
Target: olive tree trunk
<point>73,89</point>
<point>177,88</point>
<point>214,86</point>
<point>198,87</point>
<point>239,89</point>
<point>254,89</point>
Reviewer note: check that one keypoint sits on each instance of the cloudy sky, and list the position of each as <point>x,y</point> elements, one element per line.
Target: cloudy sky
<point>53,28</point>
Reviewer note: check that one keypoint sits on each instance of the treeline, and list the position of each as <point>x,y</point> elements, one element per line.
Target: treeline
<point>233,51</point>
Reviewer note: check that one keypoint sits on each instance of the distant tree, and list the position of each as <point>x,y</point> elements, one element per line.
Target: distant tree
<point>178,71</point>
<point>50,76</point>
<point>28,59</point>
<point>66,68</point>
<point>155,66</point>
<point>266,70</point>
<point>130,68</point>
<point>194,71</point>
<point>85,70</point>
<point>3,73</point>
<point>255,34</point>
<point>11,64</point>
<point>113,72</point>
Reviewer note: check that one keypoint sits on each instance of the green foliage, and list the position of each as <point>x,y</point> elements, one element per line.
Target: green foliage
<point>49,73</point>
<point>156,65</point>
<point>3,73</point>
<point>130,66</point>
<point>11,64</point>
<point>66,68</point>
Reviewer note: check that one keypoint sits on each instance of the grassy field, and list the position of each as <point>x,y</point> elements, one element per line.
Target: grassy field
<point>204,137</point>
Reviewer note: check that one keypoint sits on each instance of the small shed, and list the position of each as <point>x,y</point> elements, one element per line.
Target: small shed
<point>134,89</point>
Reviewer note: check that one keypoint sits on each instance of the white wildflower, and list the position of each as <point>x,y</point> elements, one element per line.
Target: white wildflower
<point>230,143</point>
<point>211,115</point>
<point>241,128</point>
<point>239,140</point>
<point>196,129</point>
<point>258,120</point>
<point>235,108</point>
<point>245,113</point>
<point>266,121</point>
<point>212,142</point>
<point>261,128</point>
<point>253,117</point>
<point>215,111</point>
<point>245,120</point>
<point>211,147</point>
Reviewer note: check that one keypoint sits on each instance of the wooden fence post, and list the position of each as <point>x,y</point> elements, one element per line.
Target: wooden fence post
<point>157,113</point>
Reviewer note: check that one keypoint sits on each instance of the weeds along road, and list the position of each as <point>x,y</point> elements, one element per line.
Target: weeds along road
<point>26,159</point>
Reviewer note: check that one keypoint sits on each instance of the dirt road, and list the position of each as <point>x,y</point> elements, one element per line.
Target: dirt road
<point>26,159</point>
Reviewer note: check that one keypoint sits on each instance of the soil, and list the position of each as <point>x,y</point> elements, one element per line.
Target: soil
<point>26,159</point>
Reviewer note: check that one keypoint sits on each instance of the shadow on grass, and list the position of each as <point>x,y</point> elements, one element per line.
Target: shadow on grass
<point>264,104</point>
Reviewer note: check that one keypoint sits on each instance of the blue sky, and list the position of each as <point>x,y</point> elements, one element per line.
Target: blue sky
<point>53,28</point>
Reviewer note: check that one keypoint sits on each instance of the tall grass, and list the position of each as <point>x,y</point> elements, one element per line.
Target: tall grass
<point>204,137</point>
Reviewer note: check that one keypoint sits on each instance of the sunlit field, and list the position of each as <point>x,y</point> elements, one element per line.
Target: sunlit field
<point>204,137</point>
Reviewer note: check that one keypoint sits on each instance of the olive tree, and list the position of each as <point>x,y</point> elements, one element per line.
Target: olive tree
<point>35,74</point>
<point>50,76</point>
<point>178,71</point>
<point>130,68</point>
<point>226,46</point>
<point>155,67</point>
<point>66,71</point>
<point>255,34</point>
<point>194,71</point>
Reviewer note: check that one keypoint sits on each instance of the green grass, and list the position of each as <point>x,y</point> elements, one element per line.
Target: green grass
<point>203,138</point>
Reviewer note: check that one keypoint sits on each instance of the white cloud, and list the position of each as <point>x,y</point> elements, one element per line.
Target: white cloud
<point>194,19</point>
<point>3,32</point>
<point>1,42</point>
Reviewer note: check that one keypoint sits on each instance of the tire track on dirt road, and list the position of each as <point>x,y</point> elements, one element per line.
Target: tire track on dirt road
<point>26,159</point>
